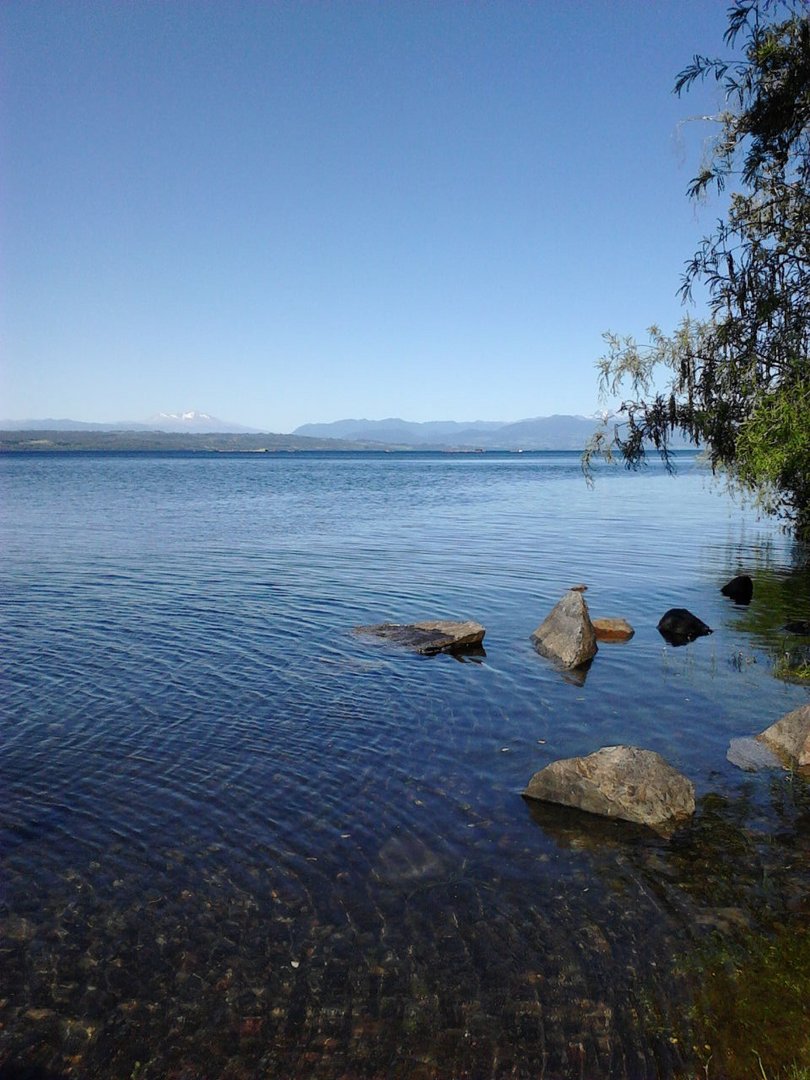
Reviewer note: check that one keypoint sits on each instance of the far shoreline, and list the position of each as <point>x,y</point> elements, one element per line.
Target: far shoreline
<point>39,441</point>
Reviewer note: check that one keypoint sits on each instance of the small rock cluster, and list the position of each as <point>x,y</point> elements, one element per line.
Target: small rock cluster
<point>624,782</point>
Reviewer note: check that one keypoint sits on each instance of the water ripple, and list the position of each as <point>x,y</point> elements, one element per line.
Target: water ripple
<point>224,813</point>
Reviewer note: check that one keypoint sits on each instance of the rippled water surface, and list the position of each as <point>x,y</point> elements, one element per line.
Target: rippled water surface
<point>238,840</point>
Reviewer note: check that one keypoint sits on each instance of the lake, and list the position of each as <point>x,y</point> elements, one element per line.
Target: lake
<point>239,840</point>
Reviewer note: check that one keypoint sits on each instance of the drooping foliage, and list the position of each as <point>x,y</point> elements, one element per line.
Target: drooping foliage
<point>738,380</point>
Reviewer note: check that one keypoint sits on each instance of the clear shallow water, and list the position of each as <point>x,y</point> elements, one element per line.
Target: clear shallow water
<point>238,840</point>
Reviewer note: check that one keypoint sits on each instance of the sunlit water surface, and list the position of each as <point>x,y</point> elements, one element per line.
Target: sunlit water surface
<point>238,840</point>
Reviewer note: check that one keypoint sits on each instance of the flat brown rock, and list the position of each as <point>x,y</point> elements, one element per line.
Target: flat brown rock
<point>429,637</point>
<point>790,737</point>
<point>618,782</point>
<point>612,629</point>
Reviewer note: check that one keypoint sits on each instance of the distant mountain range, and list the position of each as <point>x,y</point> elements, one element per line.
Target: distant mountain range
<point>539,433</point>
<point>191,422</point>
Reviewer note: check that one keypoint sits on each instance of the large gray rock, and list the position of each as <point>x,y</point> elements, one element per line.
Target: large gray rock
<point>429,637</point>
<point>790,737</point>
<point>618,782</point>
<point>566,635</point>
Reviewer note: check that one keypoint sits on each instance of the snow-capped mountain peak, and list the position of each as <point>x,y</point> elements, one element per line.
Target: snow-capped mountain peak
<point>191,420</point>
<point>189,417</point>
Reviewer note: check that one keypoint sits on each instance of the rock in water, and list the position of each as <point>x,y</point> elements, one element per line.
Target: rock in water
<point>740,589</point>
<point>798,626</point>
<point>679,626</point>
<point>429,637</point>
<point>612,629</point>
<point>566,635</point>
<point>790,737</point>
<point>618,782</point>
<point>751,755</point>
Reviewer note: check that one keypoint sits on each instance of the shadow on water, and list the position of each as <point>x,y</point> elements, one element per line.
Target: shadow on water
<point>576,676</point>
<point>473,654</point>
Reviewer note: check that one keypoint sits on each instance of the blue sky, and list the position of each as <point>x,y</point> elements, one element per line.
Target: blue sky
<point>302,211</point>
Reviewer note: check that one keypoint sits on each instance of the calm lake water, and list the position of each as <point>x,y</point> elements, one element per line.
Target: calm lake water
<point>238,840</point>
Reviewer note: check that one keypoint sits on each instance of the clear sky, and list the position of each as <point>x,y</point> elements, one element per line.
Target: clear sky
<point>281,212</point>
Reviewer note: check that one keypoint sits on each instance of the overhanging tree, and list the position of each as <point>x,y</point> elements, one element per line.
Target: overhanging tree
<point>738,381</point>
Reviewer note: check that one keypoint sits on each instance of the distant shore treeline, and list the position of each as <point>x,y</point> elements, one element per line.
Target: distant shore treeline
<point>145,441</point>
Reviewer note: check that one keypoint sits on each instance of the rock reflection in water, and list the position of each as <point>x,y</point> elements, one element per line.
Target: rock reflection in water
<point>576,830</point>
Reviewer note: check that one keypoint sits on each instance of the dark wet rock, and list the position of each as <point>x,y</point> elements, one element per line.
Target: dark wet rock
<point>566,635</point>
<point>618,782</point>
<point>579,588</point>
<point>612,629</point>
<point>679,626</point>
<point>801,627</point>
<point>751,755</point>
<point>429,637</point>
<point>790,737</point>
<point>740,589</point>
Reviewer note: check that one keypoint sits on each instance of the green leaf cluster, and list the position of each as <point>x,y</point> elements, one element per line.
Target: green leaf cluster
<point>738,381</point>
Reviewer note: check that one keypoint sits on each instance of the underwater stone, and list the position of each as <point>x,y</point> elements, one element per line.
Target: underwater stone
<point>617,782</point>
<point>751,755</point>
